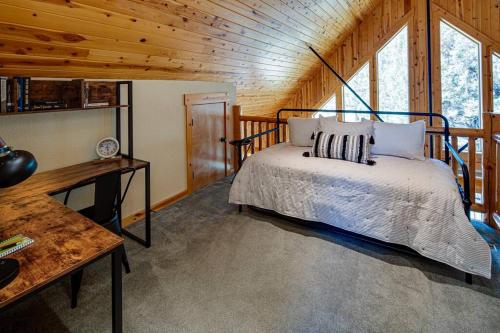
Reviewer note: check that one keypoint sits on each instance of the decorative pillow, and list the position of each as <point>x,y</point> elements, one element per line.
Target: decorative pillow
<point>354,148</point>
<point>402,140</point>
<point>340,128</point>
<point>301,130</point>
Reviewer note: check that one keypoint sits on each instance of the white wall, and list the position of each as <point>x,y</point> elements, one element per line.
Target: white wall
<point>66,138</point>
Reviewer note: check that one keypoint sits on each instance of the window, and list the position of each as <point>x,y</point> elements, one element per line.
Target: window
<point>360,83</point>
<point>460,78</point>
<point>496,82</point>
<point>393,81</point>
<point>331,104</point>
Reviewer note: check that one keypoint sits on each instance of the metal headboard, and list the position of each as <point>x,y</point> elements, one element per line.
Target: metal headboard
<point>446,125</point>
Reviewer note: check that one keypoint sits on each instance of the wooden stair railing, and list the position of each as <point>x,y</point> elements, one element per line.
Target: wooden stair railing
<point>473,157</point>
<point>251,125</point>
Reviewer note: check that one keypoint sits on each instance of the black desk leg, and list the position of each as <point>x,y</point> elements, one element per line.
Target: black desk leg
<point>148,205</point>
<point>116,290</point>
<point>147,185</point>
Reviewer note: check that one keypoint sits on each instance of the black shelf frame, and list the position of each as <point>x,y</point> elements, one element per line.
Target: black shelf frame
<point>146,241</point>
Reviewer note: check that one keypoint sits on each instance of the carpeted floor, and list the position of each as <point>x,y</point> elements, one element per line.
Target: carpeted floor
<point>213,270</point>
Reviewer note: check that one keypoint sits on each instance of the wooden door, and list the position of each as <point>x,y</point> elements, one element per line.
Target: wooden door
<point>206,139</point>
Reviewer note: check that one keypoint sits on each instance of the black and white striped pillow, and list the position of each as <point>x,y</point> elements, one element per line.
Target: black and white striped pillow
<point>354,148</point>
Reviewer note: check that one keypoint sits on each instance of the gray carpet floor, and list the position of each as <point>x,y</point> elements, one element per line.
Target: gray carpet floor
<point>212,269</point>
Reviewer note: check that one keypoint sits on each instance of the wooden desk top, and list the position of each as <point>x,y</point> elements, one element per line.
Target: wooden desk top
<point>64,239</point>
<point>58,180</point>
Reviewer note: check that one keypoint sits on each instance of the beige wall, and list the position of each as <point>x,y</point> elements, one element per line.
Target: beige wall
<point>61,139</point>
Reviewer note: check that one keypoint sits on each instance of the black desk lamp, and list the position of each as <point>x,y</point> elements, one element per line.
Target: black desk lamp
<point>15,166</point>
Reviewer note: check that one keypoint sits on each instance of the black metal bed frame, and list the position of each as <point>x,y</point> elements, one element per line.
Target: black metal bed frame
<point>449,149</point>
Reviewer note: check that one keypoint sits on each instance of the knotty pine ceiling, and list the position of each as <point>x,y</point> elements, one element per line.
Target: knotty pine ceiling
<point>259,45</point>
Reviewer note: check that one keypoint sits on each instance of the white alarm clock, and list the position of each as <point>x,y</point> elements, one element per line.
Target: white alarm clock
<point>107,147</point>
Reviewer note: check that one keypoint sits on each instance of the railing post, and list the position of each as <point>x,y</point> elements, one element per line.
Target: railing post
<point>237,135</point>
<point>236,122</point>
<point>495,186</point>
<point>491,181</point>
<point>488,168</point>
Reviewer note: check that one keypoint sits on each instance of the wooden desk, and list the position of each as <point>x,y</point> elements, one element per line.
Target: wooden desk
<point>64,179</point>
<point>65,241</point>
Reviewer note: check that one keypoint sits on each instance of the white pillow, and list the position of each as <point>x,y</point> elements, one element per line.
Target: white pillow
<point>340,128</point>
<point>301,131</point>
<point>402,140</point>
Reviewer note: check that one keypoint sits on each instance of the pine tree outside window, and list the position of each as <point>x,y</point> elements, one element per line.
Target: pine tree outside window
<point>393,77</point>
<point>460,78</point>
<point>360,82</point>
<point>331,104</point>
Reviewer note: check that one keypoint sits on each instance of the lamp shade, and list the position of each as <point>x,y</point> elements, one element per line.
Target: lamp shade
<point>15,165</point>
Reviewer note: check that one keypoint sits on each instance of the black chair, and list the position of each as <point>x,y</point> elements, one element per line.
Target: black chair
<point>107,201</point>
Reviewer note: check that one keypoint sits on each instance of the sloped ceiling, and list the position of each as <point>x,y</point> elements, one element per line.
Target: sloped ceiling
<point>260,45</point>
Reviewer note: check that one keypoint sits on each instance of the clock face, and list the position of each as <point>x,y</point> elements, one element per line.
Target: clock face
<point>107,147</point>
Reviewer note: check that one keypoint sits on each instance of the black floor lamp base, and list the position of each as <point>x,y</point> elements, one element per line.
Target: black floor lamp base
<point>9,269</point>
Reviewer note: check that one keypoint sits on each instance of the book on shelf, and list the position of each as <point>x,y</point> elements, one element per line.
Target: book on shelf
<point>85,93</point>
<point>15,94</point>
<point>19,82</point>
<point>18,94</point>
<point>11,93</point>
<point>95,104</point>
<point>47,105</point>
<point>3,94</point>
<point>27,93</point>
<point>14,244</point>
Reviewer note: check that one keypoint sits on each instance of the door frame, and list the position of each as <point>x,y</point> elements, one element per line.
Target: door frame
<point>199,99</point>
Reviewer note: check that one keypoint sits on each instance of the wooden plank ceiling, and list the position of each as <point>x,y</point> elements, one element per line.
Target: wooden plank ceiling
<point>260,45</point>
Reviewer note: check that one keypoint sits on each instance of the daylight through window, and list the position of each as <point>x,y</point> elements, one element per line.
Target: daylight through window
<point>460,78</point>
<point>393,82</point>
<point>331,104</point>
<point>496,82</point>
<point>360,82</point>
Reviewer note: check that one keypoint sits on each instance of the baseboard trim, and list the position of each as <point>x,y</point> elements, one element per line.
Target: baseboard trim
<point>138,216</point>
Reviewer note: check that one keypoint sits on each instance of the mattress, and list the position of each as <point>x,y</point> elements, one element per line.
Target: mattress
<point>401,201</point>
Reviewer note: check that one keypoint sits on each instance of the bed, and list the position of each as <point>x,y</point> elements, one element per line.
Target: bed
<point>407,202</point>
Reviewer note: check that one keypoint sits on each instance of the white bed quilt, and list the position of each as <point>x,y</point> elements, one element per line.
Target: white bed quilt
<point>407,202</point>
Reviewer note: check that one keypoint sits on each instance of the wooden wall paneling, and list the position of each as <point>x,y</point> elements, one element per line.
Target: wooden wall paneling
<point>339,100</point>
<point>373,84</point>
<point>260,46</point>
<point>374,32</point>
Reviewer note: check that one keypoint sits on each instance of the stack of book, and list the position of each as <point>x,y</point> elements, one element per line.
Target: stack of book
<point>15,94</point>
<point>3,94</point>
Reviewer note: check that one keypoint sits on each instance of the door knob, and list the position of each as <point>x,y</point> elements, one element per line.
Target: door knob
<point>223,139</point>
